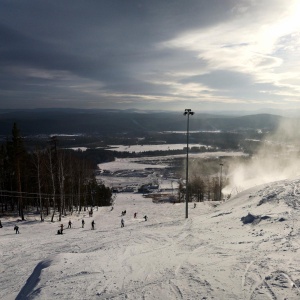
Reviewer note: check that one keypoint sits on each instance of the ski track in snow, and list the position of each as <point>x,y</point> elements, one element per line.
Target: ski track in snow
<point>210,255</point>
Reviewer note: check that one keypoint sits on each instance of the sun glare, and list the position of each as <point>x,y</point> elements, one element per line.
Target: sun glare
<point>289,24</point>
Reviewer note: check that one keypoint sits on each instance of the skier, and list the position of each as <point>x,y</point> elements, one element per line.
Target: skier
<point>135,215</point>
<point>16,228</point>
<point>122,223</point>
<point>195,205</point>
<point>61,228</point>
<point>146,218</point>
<point>93,225</point>
<point>82,223</point>
<point>0,224</point>
<point>70,224</point>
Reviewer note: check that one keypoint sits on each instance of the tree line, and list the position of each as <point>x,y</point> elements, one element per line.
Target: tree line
<point>51,180</point>
<point>202,188</point>
<point>206,179</point>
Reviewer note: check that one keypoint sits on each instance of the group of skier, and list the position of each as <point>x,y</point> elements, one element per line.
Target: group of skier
<point>93,222</point>
<point>134,215</point>
<point>60,231</point>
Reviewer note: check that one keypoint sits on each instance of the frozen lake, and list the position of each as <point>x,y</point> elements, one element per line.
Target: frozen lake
<point>142,170</point>
<point>160,147</point>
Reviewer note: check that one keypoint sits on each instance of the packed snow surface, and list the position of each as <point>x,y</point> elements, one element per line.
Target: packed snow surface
<point>245,248</point>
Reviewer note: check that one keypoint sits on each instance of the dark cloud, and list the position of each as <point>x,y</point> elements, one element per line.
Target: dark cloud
<point>69,51</point>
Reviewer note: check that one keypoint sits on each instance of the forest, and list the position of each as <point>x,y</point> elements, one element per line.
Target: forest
<point>48,181</point>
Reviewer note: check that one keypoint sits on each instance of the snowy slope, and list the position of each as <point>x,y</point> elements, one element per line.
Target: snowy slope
<point>210,255</point>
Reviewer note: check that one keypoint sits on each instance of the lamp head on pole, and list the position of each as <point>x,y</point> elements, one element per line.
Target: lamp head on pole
<point>188,111</point>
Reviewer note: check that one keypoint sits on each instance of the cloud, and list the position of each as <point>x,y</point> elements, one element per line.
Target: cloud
<point>222,79</point>
<point>159,50</point>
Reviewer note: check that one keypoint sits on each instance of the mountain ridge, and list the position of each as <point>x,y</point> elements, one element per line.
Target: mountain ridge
<point>48,121</point>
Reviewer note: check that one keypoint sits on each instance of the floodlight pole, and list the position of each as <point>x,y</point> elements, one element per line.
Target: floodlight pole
<point>221,165</point>
<point>187,112</point>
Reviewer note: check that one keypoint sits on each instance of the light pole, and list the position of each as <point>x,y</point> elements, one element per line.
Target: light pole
<point>221,165</point>
<point>187,112</point>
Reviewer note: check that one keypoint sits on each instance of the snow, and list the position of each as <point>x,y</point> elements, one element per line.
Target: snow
<point>142,170</point>
<point>210,255</point>
<point>159,161</point>
<point>78,148</point>
<point>128,164</point>
<point>193,131</point>
<point>65,135</point>
<point>156,147</point>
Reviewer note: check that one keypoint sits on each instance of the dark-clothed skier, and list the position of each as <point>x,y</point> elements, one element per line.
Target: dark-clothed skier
<point>82,223</point>
<point>0,224</point>
<point>16,228</point>
<point>70,224</point>
<point>146,218</point>
<point>122,223</point>
<point>93,224</point>
<point>135,215</point>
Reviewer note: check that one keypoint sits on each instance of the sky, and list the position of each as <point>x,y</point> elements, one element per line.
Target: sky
<point>156,55</point>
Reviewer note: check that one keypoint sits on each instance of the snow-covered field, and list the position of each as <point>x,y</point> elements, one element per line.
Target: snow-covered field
<point>78,149</point>
<point>160,147</point>
<point>128,164</point>
<point>210,255</point>
<point>129,168</point>
<point>159,161</point>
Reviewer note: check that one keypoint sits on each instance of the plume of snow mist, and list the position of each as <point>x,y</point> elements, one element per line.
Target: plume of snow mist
<point>277,159</point>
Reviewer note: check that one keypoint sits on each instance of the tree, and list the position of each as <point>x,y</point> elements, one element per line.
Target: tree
<point>37,161</point>
<point>51,176</point>
<point>51,167</point>
<point>181,191</point>
<point>61,181</point>
<point>198,188</point>
<point>18,153</point>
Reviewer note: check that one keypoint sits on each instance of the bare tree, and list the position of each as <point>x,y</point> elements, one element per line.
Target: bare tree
<point>37,161</point>
<point>61,181</point>
<point>18,151</point>
<point>51,169</point>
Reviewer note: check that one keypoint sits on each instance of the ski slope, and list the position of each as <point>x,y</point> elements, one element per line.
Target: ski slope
<point>210,255</point>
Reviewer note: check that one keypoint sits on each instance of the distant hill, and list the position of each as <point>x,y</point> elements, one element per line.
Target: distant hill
<point>71,121</point>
